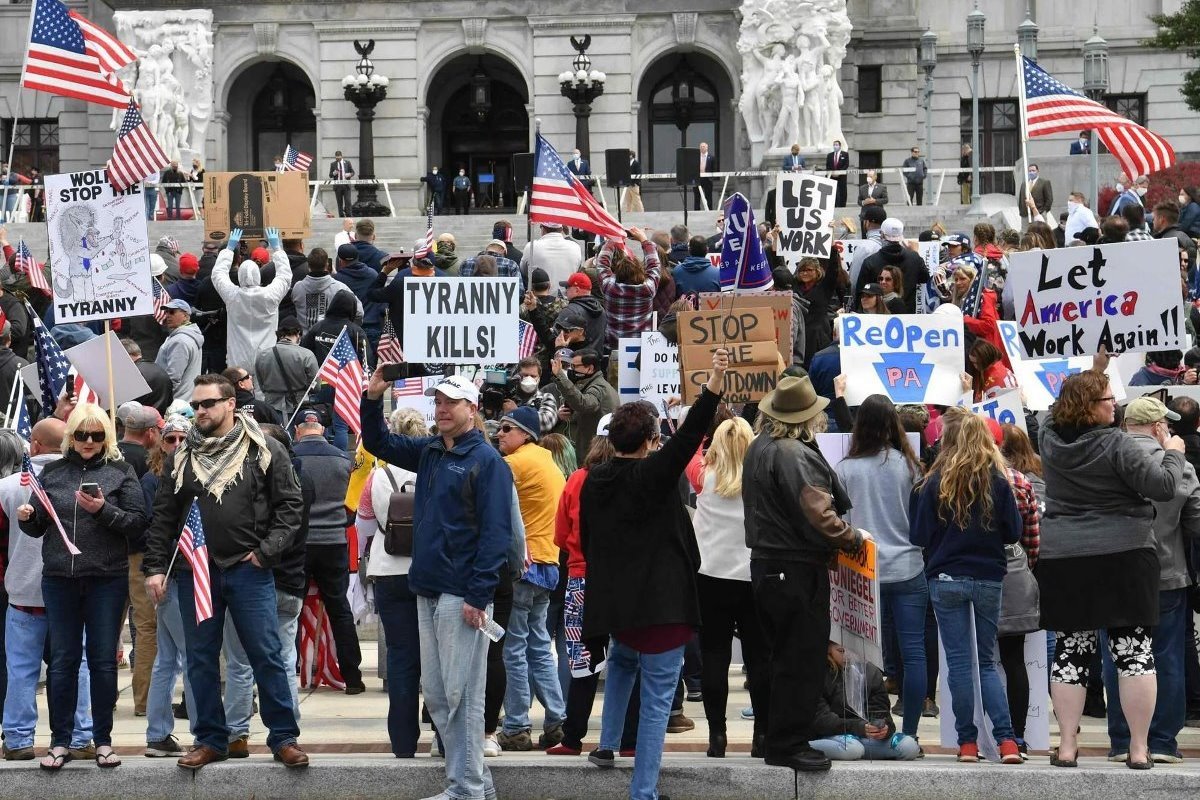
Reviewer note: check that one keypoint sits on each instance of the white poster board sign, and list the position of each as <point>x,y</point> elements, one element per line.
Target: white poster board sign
<point>410,393</point>
<point>90,361</point>
<point>1041,379</point>
<point>849,248</point>
<point>99,249</point>
<point>804,210</point>
<point>462,320</point>
<point>660,371</point>
<point>629,376</point>
<point>1073,301</point>
<point>1005,408</point>
<point>911,358</point>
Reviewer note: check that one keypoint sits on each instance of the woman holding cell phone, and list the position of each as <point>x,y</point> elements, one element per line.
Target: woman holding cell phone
<point>97,500</point>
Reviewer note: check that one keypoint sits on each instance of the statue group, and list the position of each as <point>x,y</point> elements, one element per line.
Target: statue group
<point>791,55</point>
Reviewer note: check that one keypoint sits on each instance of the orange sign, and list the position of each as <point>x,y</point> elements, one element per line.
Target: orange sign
<point>862,562</point>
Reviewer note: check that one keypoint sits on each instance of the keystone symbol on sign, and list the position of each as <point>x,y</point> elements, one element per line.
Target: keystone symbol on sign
<point>905,376</point>
<point>1053,373</point>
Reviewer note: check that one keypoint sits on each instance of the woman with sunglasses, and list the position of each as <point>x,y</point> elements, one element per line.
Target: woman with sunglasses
<point>96,507</point>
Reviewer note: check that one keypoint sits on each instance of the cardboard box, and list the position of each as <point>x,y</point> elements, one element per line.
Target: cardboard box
<point>747,383</point>
<point>748,333</point>
<point>255,201</point>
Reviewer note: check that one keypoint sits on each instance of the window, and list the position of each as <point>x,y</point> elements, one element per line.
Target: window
<point>36,144</point>
<point>999,141</point>
<point>1130,106</point>
<point>684,111</point>
<point>870,90</point>
<point>869,159</point>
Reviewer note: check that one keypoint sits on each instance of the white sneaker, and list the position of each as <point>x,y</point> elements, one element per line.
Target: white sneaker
<point>491,746</point>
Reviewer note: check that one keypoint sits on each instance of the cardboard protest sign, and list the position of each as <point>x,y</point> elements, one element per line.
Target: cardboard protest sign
<point>461,320</point>
<point>854,604</point>
<point>1074,301</point>
<point>1041,379</point>
<point>780,304</point>
<point>91,361</point>
<point>749,336</point>
<point>1005,408</point>
<point>911,358</point>
<point>660,371</point>
<point>99,251</point>
<point>804,211</point>
<point>255,201</point>
<point>629,376</point>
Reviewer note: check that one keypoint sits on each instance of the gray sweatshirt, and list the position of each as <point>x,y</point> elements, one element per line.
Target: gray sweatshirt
<point>312,295</point>
<point>179,357</point>
<point>1173,520</point>
<point>880,486</point>
<point>23,575</point>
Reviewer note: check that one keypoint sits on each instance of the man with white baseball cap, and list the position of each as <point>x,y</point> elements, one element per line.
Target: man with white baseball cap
<point>895,253</point>
<point>462,533</point>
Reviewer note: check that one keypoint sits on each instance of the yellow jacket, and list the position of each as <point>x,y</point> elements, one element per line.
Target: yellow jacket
<point>539,485</point>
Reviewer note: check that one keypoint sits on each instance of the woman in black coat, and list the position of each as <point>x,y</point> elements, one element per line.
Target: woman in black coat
<point>817,285</point>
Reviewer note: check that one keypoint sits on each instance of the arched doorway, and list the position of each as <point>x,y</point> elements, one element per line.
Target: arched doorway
<point>271,105</point>
<point>477,122</point>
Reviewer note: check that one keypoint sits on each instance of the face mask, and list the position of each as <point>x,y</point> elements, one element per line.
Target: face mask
<point>1141,190</point>
<point>1072,205</point>
<point>1184,199</point>
<point>1033,176</point>
<point>1120,187</point>
<point>462,172</point>
<point>1083,142</point>
<point>577,376</point>
<point>435,170</point>
<point>529,385</point>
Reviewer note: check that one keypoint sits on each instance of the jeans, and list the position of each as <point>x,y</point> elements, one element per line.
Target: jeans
<point>239,677</point>
<point>83,613</point>
<point>846,747</point>
<point>160,720</point>
<point>151,196</point>
<point>958,601</point>
<point>397,607</point>
<point>453,669</point>
<point>25,644</point>
<point>557,629</point>
<point>329,566</point>
<point>247,592</point>
<point>527,656</point>
<point>905,603</point>
<point>660,678</point>
<point>174,196</point>
<point>1170,708</point>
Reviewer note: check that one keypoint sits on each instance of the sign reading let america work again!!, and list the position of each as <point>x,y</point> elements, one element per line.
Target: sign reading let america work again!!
<point>911,358</point>
<point>461,320</point>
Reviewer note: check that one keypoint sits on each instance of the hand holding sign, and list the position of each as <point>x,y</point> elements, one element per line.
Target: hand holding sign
<point>235,236</point>
<point>720,363</point>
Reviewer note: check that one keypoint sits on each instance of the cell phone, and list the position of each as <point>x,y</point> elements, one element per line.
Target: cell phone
<point>91,489</point>
<point>879,723</point>
<point>392,372</point>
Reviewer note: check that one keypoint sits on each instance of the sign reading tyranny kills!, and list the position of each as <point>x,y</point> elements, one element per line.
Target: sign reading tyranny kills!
<point>461,320</point>
<point>804,209</point>
<point>1076,301</point>
<point>912,358</point>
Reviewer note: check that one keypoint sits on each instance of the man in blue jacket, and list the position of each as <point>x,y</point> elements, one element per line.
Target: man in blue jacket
<point>462,529</point>
<point>360,277</point>
<point>696,273</point>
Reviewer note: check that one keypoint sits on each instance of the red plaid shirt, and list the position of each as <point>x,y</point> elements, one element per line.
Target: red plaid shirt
<point>629,308</point>
<point>1031,515</point>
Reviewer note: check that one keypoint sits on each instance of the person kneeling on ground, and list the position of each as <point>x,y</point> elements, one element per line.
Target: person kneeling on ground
<point>846,737</point>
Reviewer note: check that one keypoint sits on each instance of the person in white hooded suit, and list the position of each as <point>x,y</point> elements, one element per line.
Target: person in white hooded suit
<point>252,310</point>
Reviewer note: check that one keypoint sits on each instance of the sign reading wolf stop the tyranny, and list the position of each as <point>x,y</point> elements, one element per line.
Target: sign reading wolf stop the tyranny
<point>99,250</point>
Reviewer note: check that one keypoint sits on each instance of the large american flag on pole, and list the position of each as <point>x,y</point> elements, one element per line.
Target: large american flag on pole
<point>29,480</point>
<point>137,154</point>
<point>26,263</point>
<point>68,55</point>
<point>51,363</point>
<point>1051,107</point>
<point>559,197</point>
<point>295,161</point>
<point>194,548</point>
<point>344,372</point>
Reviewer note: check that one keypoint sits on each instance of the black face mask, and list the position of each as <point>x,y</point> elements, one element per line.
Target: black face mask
<point>578,376</point>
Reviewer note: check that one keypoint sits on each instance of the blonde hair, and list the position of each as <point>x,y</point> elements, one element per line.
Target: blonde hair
<point>804,431</point>
<point>408,422</point>
<point>726,454</point>
<point>966,466</point>
<point>965,269</point>
<point>90,412</point>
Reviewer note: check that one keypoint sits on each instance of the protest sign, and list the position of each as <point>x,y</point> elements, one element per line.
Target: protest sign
<point>99,251</point>
<point>911,358</point>
<point>1005,408</point>
<point>410,393</point>
<point>255,201</point>
<point>749,336</point>
<point>835,447</point>
<point>461,320</point>
<point>660,371</point>
<point>629,377</point>
<point>1041,379</point>
<point>849,247</point>
<point>780,304</point>
<point>743,264</point>
<point>91,361</point>
<point>1075,301</point>
<point>854,604</point>
<point>804,211</point>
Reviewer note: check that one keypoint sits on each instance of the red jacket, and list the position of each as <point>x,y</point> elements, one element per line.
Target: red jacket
<point>566,525</point>
<point>984,326</point>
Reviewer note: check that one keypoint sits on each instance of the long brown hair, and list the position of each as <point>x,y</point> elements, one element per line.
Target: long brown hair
<point>1018,450</point>
<point>1077,399</point>
<point>968,462</point>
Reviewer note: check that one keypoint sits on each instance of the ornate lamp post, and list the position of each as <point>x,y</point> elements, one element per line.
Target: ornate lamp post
<point>365,90</point>
<point>976,22</point>
<point>927,61</point>
<point>581,85</point>
<point>1095,84</point>
<point>1027,35</point>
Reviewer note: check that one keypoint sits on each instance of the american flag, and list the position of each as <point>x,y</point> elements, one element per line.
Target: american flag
<point>137,154</point>
<point>25,262</point>
<point>344,372</point>
<point>318,658</point>
<point>82,392</point>
<point>427,247</point>
<point>29,480</point>
<point>22,425</point>
<point>527,337</point>
<point>295,161</point>
<point>160,300</point>
<point>52,365</point>
<point>194,548</point>
<point>408,387</point>
<point>388,351</point>
<point>70,56</point>
<point>559,197</point>
<point>1051,107</point>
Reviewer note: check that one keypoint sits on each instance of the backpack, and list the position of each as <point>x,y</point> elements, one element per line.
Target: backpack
<point>1020,598</point>
<point>398,529</point>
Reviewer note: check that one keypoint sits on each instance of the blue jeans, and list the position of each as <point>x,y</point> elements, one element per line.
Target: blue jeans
<point>174,196</point>
<point>25,643</point>
<point>905,603</point>
<point>527,656</point>
<point>151,196</point>
<point>1170,709</point>
<point>453,674</point>
<point>660,677</point>
<point>239,676</point>
<point>397,607</point>
<point>956,602</point>
<point>557,628</point>
<point>167,667</point>
<point>248,594</point>
<point>847,747</point>
<point>83,613</point>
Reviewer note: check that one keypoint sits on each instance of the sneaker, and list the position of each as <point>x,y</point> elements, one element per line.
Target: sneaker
<point>163,748</point>
<point>968,753</point>
<point>518,742</point>
<point>1118,757</point>
<point>748,712</point>
<point>1023,749</point>
<point>898,707</point>
<point>695,697</point>
<point>602,758</point>
<point>491,747</point>
<point>631,753</point>
<point>179,710</point>
<point>18,753</point>
<point>561,749</point>
<point>931,709</point>
<point>550,737</point>
<point>1009,752</point>
<point>678,723</point>
<point>1167,758</point>
<point>355,688</point>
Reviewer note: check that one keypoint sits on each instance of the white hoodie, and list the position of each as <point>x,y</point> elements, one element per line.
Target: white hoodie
<point>252,310</point>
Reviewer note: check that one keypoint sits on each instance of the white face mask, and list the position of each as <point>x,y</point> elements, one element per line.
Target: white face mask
<point>529,384</point>
<point>1072,205</point>
<point>462,172</point>
<point>1083,142</point>
<point>1120,187</point>
<point>1141,190</point>
<point>435,170</point>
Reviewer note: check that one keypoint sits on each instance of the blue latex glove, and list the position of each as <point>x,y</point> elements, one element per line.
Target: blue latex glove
<point>235,236</point>
<point>273,238</point>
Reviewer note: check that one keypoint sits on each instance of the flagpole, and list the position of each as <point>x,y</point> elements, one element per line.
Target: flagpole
<point>10,409</point>
<point>112,389</point>
<point>12,142</point>
<point>1024,129</point>
<point>314,381</point>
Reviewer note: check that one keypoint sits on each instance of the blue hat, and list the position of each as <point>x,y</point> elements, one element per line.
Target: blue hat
<point>525,418</point>
<point>179,305</point>
<point>959,239</point>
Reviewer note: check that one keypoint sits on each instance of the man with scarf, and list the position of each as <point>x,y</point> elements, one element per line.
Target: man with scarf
<point>250,506</point>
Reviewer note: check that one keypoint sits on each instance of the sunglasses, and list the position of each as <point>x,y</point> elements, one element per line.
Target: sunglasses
<point>84,436</point>
<point>174,439</point>
<point>507,428</point>
<point>245,377</point>
<point>207,404</point>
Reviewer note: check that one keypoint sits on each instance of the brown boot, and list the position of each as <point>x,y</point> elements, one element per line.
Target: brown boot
<point>200,756</point>
<point>291,756</point>
<point>239,748</point>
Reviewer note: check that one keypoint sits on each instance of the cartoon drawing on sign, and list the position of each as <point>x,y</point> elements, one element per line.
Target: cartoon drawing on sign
<point>83,246</point>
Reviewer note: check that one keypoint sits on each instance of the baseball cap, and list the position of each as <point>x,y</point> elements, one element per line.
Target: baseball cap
<point>289,324</point>
<point>347,252</point>
<point>540,278</point>
<point>958,239</point>
<point>892,229</point>
<point>551,226</point>
<point>1146,410</point>
<point>874,214</point>
<point>137,417</point>
<point>418,246</point>
<point>570,318</point>
<point>157,265</point>
<point>310,417</point>
<point>872,288</point>
<point>260,256</point>
<point>189,265</point>
<point>498,243</point>
<point>179,305</point>
<point>456,387</point>
<point>577,281</point>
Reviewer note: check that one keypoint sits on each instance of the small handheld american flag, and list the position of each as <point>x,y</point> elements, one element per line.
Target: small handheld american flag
<point>194,548</point>
<point>26,263</point>
<point>389,351</point>
<point>427,247</point>
<point>31,482</point>
<point>137,154</point>
<point>527,338</point>
<point>344,372</point>
<point>160,300</point>
<point>295,161</point>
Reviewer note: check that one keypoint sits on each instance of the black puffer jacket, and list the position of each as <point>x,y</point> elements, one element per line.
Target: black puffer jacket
<point>102,538</point>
